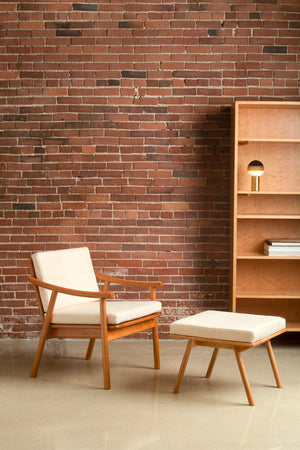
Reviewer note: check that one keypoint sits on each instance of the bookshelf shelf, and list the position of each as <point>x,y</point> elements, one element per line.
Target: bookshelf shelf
<point>246,141</point>
<point>293,326</point>
<point>266,257</point>
<point>272,296</point>
<point>280,193</point>
<point>261,284</point>
<point>268,216</point>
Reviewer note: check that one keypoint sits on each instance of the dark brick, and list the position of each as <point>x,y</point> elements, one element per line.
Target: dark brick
<point>124,24</point>
<point>254,16</point>
<point>64,25</point>
<point>134,74</point>
<point>72,33</point>
<point>274,49</point>
<point>14,118</point>
<point>114,83</point>
<point>85,6</point>
<point>212,32</point>
<point>133,24</point>
<point>23,206</point>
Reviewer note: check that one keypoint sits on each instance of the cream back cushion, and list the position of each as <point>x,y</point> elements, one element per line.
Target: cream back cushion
<point>70,268</point>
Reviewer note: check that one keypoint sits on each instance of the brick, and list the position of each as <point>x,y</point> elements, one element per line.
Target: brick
<point>31,25</point>
<point>24,206</point>
<point>133,74</point>
<point>67,32</point>
<point>55,91</point>
<point>131,24</point>
<point>31,75</point>
<point>63,25</point>
<point>85,6</point>
<point>274,49</point>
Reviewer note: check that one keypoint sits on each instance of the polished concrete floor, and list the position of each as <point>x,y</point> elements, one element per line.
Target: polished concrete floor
<point>66,408</point>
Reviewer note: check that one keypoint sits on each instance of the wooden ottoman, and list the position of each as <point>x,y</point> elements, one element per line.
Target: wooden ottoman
<point>229,330</point>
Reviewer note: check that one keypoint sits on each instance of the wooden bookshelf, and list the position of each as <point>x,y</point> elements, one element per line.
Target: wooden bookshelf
<point>268,132</point>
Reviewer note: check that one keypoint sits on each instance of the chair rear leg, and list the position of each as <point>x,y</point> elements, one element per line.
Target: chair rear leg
<point>156,346</point>
<point>90,349</point>
<point>244,377</point>
<point>273,364</point>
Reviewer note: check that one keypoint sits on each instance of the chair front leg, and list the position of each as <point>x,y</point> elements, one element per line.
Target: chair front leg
<point>39,351</point>
<point>44,335</point>
<point>105,362</point>
<point>104,344</point>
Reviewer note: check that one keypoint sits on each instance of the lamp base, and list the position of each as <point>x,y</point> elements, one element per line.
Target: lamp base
<point>255,184</point>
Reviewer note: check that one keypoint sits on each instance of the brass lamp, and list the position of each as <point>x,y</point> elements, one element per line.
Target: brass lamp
<point>255,169</point>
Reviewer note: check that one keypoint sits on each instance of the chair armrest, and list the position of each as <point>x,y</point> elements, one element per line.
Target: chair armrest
<point>64,290</point>
<point>111,279</point>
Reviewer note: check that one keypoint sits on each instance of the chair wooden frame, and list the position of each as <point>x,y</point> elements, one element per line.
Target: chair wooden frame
<point>103,331</point>
<point>237,347</point>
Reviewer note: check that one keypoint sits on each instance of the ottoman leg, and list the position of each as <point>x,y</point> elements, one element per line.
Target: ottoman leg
<point>273,364</point>
<point>184,361</point>
<point>212,363</point>
<point>244,377</point>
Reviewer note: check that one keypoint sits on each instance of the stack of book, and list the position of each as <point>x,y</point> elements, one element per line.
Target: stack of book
<point>282,247</point>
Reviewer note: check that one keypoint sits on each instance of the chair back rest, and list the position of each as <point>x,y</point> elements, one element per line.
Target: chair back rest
<point>71,268</point>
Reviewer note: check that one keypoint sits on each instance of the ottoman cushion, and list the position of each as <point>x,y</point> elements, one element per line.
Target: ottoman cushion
<point>228,326</point>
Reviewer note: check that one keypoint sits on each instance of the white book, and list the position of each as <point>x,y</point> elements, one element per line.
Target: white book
<point>285,253</point>
<point>281,251</point>
<point>283,242</point>
<point>281,247</point>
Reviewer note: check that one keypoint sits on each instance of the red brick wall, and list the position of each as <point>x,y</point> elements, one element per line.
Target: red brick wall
<point>115,135</point>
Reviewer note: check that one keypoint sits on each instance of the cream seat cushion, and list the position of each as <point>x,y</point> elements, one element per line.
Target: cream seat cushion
<point>228,326</point>
<point>118,312</point>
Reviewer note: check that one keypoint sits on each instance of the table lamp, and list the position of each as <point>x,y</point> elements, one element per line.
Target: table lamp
<point>255,169</point>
